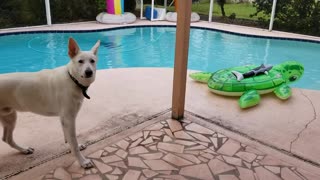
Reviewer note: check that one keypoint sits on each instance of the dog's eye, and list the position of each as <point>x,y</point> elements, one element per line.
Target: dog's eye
<point>92,61</point>
<point>80,61</point>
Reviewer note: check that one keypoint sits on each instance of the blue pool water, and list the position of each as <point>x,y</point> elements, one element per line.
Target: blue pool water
<point>154,47</point>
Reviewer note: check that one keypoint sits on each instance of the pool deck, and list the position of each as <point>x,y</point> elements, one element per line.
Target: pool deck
<point>268,141</point>
<point>219,26</point>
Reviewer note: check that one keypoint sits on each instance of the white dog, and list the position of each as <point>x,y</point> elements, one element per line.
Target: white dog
<point>56,92</point>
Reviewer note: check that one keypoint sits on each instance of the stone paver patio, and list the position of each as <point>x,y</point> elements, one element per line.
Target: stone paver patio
<point>171,149</point>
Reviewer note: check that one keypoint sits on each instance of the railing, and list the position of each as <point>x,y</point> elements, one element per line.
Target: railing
<point>48,12</point>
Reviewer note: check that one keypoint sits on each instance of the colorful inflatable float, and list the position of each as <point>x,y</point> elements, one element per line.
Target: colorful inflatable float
<point>160,14</point>
<point>172,16</point>
<point>250,81</point>
<point>115,13</point>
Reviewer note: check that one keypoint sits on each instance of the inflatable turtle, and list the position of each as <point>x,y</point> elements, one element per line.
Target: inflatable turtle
<point>250,81</point>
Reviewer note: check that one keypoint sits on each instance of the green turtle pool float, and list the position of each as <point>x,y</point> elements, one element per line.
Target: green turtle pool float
<point>250,81</point>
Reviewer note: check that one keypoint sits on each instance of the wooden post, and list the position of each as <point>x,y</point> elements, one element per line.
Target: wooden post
<point>181,58</point>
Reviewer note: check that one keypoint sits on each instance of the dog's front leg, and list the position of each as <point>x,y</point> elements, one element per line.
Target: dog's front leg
<point>69,129</point>
<point>81,146</point>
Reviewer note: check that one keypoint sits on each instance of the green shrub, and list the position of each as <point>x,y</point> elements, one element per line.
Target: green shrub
<point>15,13</point>
<point>73,10</point>
<point>101,5</point>
<point>301,16</point>
<point>21,12</point>
<point>232,16</point>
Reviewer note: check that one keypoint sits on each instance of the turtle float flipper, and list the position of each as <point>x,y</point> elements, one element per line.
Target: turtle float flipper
<point>263,69</point>
<point>283,92</point>
<point>201,76</point>
<point>249,99</point>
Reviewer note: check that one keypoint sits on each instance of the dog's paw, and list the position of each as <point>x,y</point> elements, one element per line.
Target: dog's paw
<point>87,163</point>
<point>28,151</point>
<point>82,147</point>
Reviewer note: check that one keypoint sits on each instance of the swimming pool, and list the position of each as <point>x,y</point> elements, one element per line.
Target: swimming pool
<point>154,47</point>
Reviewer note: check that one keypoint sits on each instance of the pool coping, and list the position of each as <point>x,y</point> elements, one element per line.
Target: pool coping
<point>92,26</point>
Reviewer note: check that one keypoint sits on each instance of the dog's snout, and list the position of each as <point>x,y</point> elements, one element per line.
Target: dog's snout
<point>88,73</point>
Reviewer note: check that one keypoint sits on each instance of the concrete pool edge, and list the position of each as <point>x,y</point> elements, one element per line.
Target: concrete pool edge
<point>228,28</point>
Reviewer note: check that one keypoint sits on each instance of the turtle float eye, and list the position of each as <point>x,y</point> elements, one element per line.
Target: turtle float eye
<point>293,78</point>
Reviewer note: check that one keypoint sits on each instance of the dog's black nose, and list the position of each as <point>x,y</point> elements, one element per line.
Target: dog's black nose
<point>88,73</point>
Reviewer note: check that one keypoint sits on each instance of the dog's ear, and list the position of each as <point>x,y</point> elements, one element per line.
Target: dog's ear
<point>94,49</point>
<point>73,48</point>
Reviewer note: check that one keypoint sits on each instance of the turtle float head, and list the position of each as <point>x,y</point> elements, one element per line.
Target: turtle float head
<point>291,71</point>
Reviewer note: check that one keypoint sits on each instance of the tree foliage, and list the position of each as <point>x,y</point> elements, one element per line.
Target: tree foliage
<point>129,6</point>
<point>301,16</point>
<point>15,13</point>
<point>72,10</point>
<point>20,12</point>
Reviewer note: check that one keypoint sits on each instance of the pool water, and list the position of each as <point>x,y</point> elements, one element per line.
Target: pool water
<point>154,47</point>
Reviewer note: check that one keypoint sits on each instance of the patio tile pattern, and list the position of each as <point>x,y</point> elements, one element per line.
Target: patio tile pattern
<point>180,150</point>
